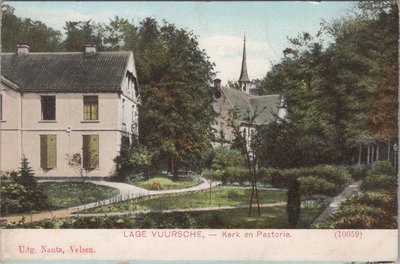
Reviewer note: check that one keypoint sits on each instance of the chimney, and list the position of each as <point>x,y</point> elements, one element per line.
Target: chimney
<point>90,48</point>
<point>22,48</point>
<point>217,83</point>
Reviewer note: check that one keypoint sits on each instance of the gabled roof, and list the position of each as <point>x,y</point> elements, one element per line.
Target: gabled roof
<point>66,71</point>
<point>245,105</point>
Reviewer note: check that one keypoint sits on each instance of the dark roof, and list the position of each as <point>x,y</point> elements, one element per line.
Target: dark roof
<point>66,71</point>
<point>264,107</point>
<point>244,77</point>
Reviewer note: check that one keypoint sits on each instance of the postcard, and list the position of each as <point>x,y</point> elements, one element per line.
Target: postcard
<point>199,132</point>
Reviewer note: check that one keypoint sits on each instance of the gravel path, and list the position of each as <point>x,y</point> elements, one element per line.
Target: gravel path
<point>349,191</point>
<point>127,191</point>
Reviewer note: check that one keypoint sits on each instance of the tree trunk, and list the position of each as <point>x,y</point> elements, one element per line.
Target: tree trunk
<point>388,153</point>
<point>368,154</point>
<point>293,202</point>
<point>174,167</point>
<point>377,152</point>
<point>359,154</point>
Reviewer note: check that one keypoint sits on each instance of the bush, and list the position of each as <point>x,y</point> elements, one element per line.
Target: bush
<point>311,185</point>
<point>380,182</point>
<point>21,193</point>
<point>359,172</point>
<point>266,176</point>
<point>383,167</point>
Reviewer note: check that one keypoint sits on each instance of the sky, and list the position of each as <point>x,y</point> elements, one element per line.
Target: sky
<point>220,26</point>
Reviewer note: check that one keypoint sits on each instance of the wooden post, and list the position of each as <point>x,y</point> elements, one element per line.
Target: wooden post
<point>359,154</point>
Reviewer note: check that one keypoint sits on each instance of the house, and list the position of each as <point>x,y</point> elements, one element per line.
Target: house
<point>57,104</point>
<point>241,107</point>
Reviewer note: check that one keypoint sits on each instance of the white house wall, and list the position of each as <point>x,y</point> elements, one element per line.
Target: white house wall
<point>22,137</point>
<point>10,147</point>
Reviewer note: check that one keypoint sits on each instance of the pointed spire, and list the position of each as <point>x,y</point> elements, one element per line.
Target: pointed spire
<point>244,77</point>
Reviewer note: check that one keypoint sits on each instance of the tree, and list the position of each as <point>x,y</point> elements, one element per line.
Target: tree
<point>79,33</point>
<point>176,114</point>
<point>35,197</point>
<point>133,160</point>
<point>16,30</point>
<point>340,93</point>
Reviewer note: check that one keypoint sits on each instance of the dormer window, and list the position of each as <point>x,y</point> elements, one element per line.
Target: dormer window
<point>48,107</point>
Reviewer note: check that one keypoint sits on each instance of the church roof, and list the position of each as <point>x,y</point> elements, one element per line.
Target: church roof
<point>66,71</point>
<point>245,105</point>
<point>244,77</point>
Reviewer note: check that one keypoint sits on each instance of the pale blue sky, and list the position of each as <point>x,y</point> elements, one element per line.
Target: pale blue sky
<point>220,26</point>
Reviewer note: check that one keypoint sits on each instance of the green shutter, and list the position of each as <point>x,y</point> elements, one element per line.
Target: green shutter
<point>90,151</point>
<point>94,151</point>
<point>48,151</point>
<point>43,151</point>
<point>85,148</point>
<point>51,151</point>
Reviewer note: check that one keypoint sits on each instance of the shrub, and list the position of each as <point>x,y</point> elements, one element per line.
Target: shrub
<point>380,182</point>
<point>359,172</point>
<point>311,185</point>
<point>265,175</point>
<point>21,193</point>
<point>383,167</point>
<point>156,186</point>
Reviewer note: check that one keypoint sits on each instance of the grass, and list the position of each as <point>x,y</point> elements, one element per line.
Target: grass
<point>198,199</point>
<point>69,194</point>
<point>271,217</point>
<point>165,184</point>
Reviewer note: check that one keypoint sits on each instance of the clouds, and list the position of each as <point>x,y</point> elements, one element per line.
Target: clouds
<point>56,17</point>
<point>226,52</point>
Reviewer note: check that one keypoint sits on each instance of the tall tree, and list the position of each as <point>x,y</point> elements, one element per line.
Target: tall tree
<point>15,30</point>
<point>80,32</point>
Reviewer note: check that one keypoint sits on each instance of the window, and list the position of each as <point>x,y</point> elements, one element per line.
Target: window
<point>48,107</point>
<point>90,108</point>
<point>48,151</point>
<point>90,151</point>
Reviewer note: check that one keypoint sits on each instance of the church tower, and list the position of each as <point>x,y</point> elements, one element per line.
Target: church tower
<point>244,81</point>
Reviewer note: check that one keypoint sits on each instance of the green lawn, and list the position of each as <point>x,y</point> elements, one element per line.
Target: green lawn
<point>68,194</point>
<point>166,184</point>
<point>271,217</point>
<point>199,199</point>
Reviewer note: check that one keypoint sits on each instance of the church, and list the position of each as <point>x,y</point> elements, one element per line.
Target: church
<point>244,109</point>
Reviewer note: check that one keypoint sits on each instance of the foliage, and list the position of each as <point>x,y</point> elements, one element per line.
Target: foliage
<point>376,207</point>
<point>377,210</point>
<point>75,162</point>
<point>337,94</point>
<point>227,175</point>
<point>198,199</point>
<point>382,167</point>
<point>166,184</point>
<point>272,218</point>
<point>381,176</point>
<point>21,193</point>
<point>225,157</point>
<point>358,172</point>
<point>132,161</point>
<point>16,30</point>
<point>69,194</point>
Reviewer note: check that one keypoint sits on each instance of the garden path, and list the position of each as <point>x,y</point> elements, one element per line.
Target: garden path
<point>127,191</point>
<point>349,191</point>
